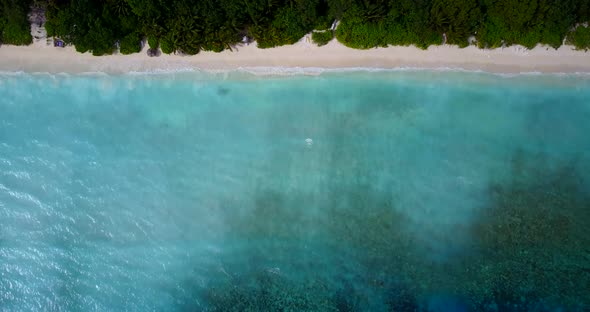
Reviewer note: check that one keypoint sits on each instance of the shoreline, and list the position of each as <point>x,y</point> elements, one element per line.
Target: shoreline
<point>303,57</point>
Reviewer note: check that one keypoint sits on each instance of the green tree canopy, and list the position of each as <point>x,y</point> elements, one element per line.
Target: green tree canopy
<point>189,26</point>
<point>14,24</point>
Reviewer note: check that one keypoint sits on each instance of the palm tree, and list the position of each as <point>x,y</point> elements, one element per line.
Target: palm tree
<point>121,8</point>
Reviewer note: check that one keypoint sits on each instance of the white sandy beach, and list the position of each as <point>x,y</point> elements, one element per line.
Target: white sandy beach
<point>42,57</point>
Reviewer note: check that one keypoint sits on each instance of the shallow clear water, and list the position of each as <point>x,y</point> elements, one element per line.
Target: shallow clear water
<point>416,190</point>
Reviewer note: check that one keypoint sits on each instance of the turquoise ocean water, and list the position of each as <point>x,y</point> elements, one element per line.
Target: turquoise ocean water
<point>357,191</point>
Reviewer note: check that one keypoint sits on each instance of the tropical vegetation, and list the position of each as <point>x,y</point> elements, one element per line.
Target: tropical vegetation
<point>322,37</point>
<point>191,26</point>
<point>14,25</point>
<point>580,38</point>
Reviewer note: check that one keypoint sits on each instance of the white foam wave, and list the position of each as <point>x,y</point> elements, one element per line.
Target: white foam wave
<point>270,71</point>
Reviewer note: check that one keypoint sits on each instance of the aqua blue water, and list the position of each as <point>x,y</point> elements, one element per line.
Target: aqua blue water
<point>358,191</point>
